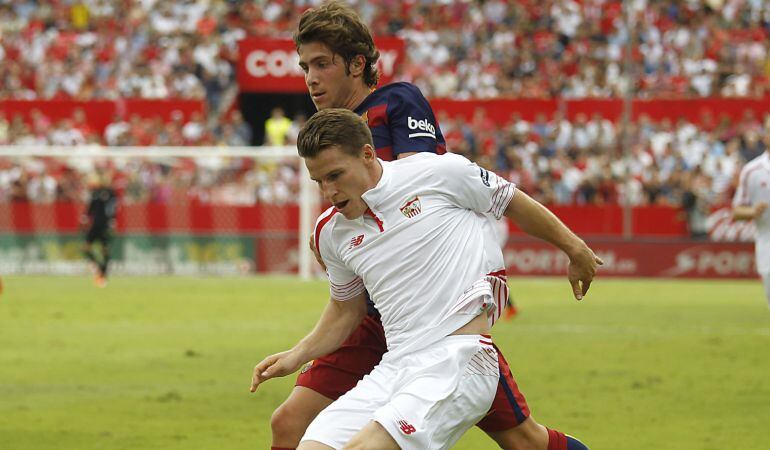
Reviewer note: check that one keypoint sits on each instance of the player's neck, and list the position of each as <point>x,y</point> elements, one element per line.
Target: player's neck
<point>357,96</point>
<point>375,174</point>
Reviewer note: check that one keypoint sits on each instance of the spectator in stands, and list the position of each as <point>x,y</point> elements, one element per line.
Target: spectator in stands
<point>277,127</point>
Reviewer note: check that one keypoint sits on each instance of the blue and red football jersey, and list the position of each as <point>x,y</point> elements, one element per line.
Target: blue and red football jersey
<point>401,121</point>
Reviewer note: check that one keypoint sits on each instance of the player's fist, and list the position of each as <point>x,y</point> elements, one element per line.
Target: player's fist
<point>277,365</point>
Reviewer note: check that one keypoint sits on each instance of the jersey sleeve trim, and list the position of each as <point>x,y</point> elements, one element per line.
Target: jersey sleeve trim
<point>347,291</point>
<point>502,197</point>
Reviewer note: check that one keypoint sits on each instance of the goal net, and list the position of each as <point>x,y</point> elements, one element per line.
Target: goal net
<point>181,210</point>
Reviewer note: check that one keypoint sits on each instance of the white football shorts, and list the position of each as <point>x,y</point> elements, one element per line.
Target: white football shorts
<point>425,400</point>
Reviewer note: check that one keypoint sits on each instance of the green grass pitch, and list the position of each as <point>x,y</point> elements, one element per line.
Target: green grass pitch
<point>165,363</point>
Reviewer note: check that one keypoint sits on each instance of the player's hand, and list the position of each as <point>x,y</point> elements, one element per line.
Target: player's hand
<point>582,269</point>
<point>315,252</point>
<point>759,208</point>
<point>277,365</point>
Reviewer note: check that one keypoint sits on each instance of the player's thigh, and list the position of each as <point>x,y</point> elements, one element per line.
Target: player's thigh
<point>372,436</point>
<point>336,425</point>
<point>299,410</point>
<point>442,391</point>
<point>509,408</point>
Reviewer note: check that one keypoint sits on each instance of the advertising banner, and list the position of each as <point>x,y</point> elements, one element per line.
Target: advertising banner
<point>132,254</point>
<point>677,259</point>
<point>272,65</point>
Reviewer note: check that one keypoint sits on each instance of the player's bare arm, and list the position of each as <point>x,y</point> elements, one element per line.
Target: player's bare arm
<point>536,220</point>
<point>749,212</point>
<point>338,320</point>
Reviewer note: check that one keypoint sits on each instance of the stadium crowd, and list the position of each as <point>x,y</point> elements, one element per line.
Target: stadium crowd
<point>85,50</point>
<point>107,49</point>
<point>584,161</point>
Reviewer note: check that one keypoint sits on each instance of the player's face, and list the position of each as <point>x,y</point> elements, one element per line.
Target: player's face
<point>344,178</point>
<point>329,85</point>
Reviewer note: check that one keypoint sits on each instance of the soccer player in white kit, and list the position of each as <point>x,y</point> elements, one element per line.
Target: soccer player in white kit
<point>438,295</point>
<point>750,203</point>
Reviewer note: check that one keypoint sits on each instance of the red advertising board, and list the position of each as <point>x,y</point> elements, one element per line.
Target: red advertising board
<point>100,113</point>
<point>679,259</point>
<point>499,110</point>
<point>272,65</point>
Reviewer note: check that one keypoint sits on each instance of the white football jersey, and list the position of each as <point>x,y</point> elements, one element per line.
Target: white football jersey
<point>754,187</point>
<point>422,249</point>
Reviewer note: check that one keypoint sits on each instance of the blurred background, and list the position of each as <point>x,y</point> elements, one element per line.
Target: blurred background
<point>631,120</point>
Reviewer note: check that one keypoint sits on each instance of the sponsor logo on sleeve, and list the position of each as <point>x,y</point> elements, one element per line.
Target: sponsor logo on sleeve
<point>422,128</point>
<point>484,173</point>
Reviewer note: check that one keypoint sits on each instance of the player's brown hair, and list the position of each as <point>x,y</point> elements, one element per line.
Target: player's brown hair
<point>333,127</point>
<point>338,27</point>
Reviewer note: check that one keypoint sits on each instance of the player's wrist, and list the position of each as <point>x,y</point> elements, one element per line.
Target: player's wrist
<point>575,249</point>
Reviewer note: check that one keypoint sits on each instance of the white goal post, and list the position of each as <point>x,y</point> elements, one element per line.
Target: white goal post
<point>83,159</point>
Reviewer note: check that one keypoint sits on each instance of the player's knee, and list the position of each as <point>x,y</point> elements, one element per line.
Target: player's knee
<point>289,423</point>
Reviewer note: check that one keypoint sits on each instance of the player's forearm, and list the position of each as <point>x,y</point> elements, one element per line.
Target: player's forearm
<point>744,212</point>
<point>536,220</point>
<point>338,320</point>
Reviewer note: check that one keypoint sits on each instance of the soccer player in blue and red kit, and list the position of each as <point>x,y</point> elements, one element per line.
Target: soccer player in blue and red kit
<point>338,56</point>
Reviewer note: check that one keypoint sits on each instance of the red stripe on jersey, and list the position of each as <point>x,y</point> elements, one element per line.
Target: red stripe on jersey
<point>500,273</point>
<point>369,213</point>
<point>385,153</point>
<point>745,184</point>
<point>320,226</point>
<point>485,342</point>
<point>377,115</point>
<point>440,148</point>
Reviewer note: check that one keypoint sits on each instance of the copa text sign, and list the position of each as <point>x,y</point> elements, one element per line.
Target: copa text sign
<point>272,65</point>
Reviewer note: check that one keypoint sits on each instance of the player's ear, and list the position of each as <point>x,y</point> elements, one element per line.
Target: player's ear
<point>357,65</point>
<point>369,154</point>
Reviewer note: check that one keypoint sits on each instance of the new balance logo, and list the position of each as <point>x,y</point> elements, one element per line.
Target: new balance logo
<point>428,129</point>
<point>406,428</point>
<point>356,241</point>
<point>411,208</point>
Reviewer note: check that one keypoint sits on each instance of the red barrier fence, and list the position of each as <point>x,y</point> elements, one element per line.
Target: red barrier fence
<point>154,218</point>
<point>100,113</point>
<point>698,110</point>
<point>590,221</point>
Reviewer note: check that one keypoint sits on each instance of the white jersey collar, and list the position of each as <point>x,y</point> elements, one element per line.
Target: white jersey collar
<point>374,196</point>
